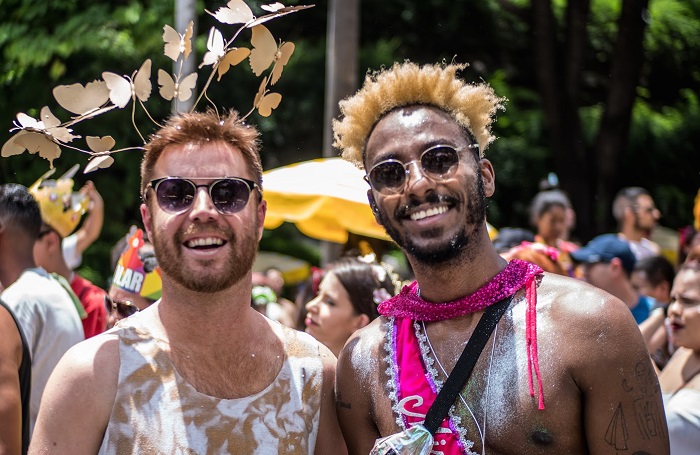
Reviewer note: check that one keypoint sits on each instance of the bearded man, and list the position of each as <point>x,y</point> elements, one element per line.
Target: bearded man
<point>199,371</point>
<point>564,371</point>
<point>637,216</point>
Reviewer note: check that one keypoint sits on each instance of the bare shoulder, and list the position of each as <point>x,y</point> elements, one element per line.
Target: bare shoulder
<point>81,389</point>
<point>571,302</point>
<point>363,350</point>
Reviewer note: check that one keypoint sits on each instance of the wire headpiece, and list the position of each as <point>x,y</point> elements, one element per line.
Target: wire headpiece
<point>47,134</point>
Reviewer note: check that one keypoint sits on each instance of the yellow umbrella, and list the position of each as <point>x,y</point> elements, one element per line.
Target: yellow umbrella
<point>326,198</point>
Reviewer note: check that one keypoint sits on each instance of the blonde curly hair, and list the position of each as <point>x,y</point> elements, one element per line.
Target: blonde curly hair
<point>471,105</point>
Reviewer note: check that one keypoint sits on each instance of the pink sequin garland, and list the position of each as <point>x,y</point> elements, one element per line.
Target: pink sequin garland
<point>407,304</point>
<point>517,274</point>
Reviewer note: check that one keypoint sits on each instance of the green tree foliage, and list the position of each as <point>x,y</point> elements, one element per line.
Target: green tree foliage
<point>570,72</point>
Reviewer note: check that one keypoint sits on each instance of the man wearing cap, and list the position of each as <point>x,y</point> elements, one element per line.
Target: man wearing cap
<point>608,263</point>
<point>136,283</point>
<point>43,308</point>
<point>61,210</point>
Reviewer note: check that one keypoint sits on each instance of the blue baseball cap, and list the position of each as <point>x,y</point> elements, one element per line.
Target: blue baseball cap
<point>603,249</point>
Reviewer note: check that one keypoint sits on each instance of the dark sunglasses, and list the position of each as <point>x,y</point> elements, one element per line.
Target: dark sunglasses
<point>177,194</point>
<point>437,163</point>
<point>123,308</point>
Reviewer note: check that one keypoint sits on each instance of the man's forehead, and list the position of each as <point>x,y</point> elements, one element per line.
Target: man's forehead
<point>411,123</point>
<point>210,158</point>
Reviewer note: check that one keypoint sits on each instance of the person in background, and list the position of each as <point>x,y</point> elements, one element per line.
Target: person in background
<point>15,384</point>
<point>546,257</point>
<point>199,371</point>
<point>307,290</point>
<point>44,309</point>
<point>136,283</point>
<point>509,237</point>
<point>548,214</point>
<point>680,379</point>
<point>607,263</point>
<point>636,215</point>
<point>75,244</point>
<point>653,277</point>
<point>348,296</point>
<point>275,279</point>
<point>266,301</point>
<point>61,210</point>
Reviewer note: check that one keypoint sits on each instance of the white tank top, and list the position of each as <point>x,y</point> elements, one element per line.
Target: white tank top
<point>157,412</point>
<point>683,417</point>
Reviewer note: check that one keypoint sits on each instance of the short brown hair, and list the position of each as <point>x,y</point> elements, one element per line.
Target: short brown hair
<point>200,127</point>
<point>405,84</point>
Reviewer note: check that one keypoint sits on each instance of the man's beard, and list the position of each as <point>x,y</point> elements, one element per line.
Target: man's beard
<point>238,264</point>
<point>646,231</point>
<point>453,247</point>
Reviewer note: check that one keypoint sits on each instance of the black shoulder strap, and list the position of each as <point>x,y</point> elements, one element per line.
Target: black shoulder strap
<point>25,380</point>
<point>463,369</point>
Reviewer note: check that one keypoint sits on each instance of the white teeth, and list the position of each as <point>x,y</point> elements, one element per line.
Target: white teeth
<point>426,213</point>
<point>204,242</point>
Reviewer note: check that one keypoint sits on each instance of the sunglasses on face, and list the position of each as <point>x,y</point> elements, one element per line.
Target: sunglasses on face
<point>437,163</point>
<point>177,194</point>
<point>123,308</point>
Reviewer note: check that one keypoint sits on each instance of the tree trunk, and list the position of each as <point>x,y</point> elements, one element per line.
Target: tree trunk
<point>627,61</point>
<point>559,79</point>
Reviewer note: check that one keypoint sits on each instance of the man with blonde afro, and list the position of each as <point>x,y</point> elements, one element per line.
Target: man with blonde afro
<point>563,368</point>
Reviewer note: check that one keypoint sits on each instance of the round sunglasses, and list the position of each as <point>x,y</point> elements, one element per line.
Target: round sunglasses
<point>177,194</point>
<point>437,163</point>
<point>123,308</point>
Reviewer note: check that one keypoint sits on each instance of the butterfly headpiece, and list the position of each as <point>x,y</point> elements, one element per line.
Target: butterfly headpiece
<point>47,134</point>
<point>61,208</point>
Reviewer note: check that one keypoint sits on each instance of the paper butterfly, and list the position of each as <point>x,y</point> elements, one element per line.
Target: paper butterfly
<point>82,100</point>
<point>123,89</point>
<point>264,49</point>
<point>99,145</point>
<point>235,12</point>
<point>175,43</point>
<point>181,89</point>
<point>265,102</point>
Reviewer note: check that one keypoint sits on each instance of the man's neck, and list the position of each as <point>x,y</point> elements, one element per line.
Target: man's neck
<point>188,315</point>
<point>12,268</point>
<point>458,278</point>
<point>632,234</point>
<point>626,293</point>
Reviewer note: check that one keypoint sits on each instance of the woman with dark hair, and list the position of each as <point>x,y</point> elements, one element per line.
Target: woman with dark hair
<point>347,300</point>
<point>550,215</point>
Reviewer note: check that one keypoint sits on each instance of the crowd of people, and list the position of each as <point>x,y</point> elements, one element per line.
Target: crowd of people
<point>525,343</point>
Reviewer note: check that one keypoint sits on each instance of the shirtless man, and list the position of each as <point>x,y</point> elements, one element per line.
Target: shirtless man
<point>199,371</point>
<point>565,371</point>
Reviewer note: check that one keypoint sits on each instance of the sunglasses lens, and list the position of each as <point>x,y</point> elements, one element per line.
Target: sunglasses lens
<point>230,195</point>
<point>438,162</point>
<point>125,309</point>
<point>175,195</point>
<point>388,176</point>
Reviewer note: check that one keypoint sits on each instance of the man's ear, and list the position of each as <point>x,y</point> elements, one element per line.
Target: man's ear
<point>373,204</point>
<point>617,267</point>
<point>261,211</point>
<point>488,176</point>
<point>147,220</point>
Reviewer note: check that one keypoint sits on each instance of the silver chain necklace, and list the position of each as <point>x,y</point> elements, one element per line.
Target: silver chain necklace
<point>479,428</point>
